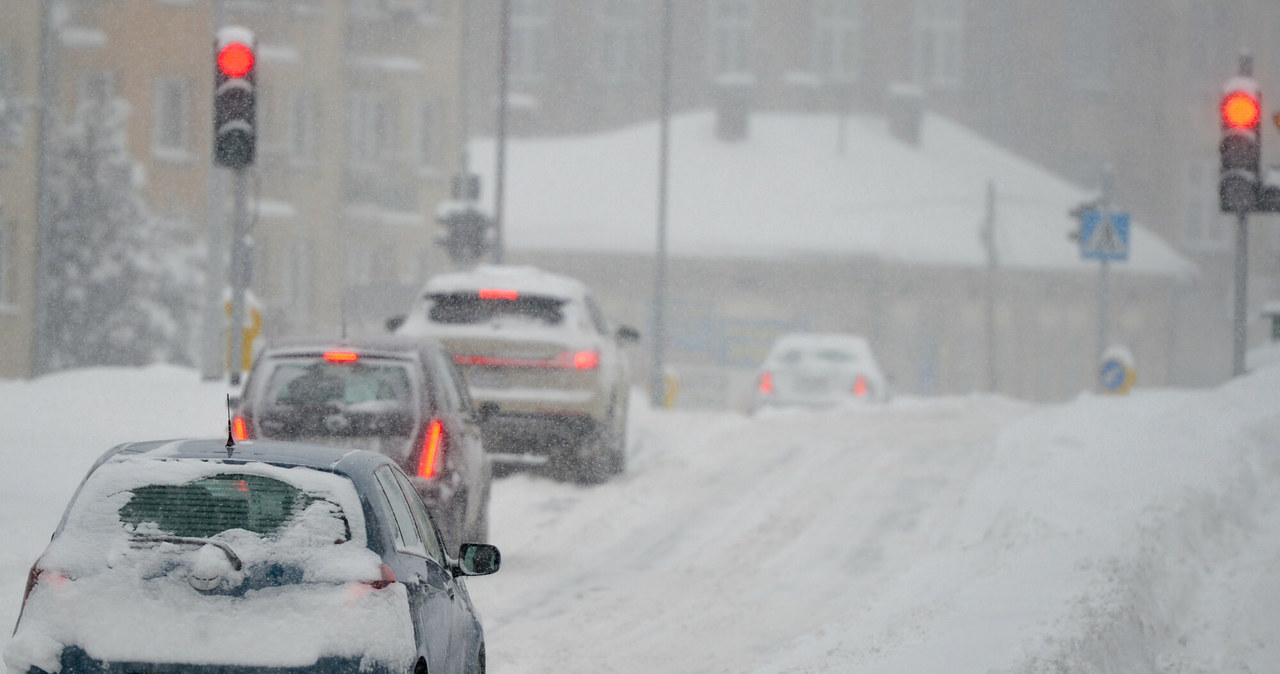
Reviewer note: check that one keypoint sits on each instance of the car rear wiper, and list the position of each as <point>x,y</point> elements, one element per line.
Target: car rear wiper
<point>236,564</point>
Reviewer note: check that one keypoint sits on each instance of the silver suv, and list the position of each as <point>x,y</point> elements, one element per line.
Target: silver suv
<point>541,361</point>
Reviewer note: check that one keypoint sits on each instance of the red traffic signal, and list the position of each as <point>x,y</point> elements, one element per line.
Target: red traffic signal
<point>235,60</point>
<point>1240,110</point>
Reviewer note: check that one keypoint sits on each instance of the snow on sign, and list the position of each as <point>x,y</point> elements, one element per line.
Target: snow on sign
<point>1104,236</point>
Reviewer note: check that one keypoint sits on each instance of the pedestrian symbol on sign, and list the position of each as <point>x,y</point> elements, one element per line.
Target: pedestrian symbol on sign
<point>1104,236</point>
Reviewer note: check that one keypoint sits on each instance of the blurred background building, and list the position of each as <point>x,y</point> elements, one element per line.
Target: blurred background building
<point>365,106</point>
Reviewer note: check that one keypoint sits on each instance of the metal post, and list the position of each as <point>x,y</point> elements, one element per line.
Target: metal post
<point>657,378</point>
<point>241,267</point>
<point>40,347</point>
<point>989,308</point>
<point>1238,333</point>
<point>1104,269</point>
<point>500,163</point>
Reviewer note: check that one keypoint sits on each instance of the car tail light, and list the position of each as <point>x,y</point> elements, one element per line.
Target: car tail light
<point>498,294</point>
<point>433,445</point>
<point>388,578</point>
<point>586,360</point>
<point>357,591</point>
<point>341,356</point>
<point>39,575</point>
<point>581,360</point>
<point>766,383</point>
<point>240,428</point>
<point>860,386</point>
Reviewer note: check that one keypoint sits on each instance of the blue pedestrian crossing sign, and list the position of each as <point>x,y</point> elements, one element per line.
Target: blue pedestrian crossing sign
<point>1104,236</point>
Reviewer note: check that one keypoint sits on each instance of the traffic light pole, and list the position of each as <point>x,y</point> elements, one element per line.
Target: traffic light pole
<point>1238,334</point>
<point>240,270</point>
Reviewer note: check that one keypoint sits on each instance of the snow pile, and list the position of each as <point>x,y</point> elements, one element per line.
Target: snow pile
<point>1135,533</point>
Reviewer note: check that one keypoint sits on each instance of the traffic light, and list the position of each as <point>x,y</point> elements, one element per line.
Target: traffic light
<point>234,124</point>
<point>467,237</point>
<point>1241,145</point>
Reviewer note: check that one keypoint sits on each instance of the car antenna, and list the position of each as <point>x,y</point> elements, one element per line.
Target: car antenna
<point>231,440</point>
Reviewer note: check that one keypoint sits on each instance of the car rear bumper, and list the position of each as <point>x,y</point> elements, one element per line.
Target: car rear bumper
<point>517,438</point>
<point>75,661</point>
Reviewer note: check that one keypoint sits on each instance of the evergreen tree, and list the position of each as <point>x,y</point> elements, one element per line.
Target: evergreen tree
<point>121,285</point>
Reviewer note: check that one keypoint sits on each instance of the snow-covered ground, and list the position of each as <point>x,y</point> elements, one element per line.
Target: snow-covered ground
<point>965,534</point>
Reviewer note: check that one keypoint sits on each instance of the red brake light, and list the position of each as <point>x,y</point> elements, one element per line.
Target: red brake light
<point>341,357</point>
<point>498,294</point>
<point>239,429</point>
<point>860,386</point>
<point>235,60</point>
<point>39,575</point>
<point>766,383</point>
<point>586,360</point>
<point>432,443</point>
<point>388,577</point>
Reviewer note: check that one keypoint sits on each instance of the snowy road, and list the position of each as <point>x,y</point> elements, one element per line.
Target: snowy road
<point>727,538</point>
<point>970,534</point>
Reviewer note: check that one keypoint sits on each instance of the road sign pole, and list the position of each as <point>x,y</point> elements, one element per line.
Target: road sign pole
<point>1241,294</point>
<point>1104,271</point>
<point>240,269</point>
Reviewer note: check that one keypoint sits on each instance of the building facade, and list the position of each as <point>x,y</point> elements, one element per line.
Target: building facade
<point>358,137</point>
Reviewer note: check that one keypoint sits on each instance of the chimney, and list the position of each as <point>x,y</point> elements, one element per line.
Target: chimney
<point>733,93</point>
<point>905,110</point>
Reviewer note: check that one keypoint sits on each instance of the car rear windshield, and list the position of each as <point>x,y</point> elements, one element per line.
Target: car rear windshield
<point>468,307</point>
<point>218,503</point>
<point>307,382</point>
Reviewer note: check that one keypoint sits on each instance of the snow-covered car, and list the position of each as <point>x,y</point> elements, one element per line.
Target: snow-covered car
<point>541,358</point>
<point>819,370</point>
<point>261,556</point>
<point>403,397</point>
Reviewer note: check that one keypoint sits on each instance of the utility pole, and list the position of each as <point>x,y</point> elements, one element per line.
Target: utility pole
<point>1104,269</point>
<point>500,163</point>
<point>40,349</point>
<point>989,305</point>
<point>657,377</point>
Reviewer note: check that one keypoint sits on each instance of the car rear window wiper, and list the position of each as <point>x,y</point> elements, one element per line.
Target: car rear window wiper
<point>236,564</point>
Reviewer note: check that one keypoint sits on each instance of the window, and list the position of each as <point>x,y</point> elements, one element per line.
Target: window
<point>372,134</point>
<point>1204,229</point>
<point>530,39</point>
<point>295,280</point>
<point>939,43</point>
<point>172,104</point>
<point>469,308</point>
<point>621,41</point>
<point>837,40</point>
<point>303,106</point>
<point>1089,45</point>
<point>428,136</point>
<point>4,262</point>
<point>729,50</point>
<point>426,528</point>
<point>403,529</point>
<point>97,85</point>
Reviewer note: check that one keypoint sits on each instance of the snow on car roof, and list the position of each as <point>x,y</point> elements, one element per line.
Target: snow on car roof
<point>815,339</point>
<point>517,277</point>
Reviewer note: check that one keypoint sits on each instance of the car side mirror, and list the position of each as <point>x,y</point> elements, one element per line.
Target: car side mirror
<point>394,323</point>
<point>628,335</point>
<point>477,559</point>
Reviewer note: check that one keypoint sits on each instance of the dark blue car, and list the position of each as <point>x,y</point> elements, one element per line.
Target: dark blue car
<point>262,556</point>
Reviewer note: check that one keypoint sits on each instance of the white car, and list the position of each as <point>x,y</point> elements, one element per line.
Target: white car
<point>819,370</point>
<point>543,364</point>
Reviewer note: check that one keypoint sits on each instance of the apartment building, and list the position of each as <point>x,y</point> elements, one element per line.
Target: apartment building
<point>359,136</point>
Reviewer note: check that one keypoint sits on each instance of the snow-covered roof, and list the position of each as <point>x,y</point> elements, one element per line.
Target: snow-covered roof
<point>514,277</point>
<point>788,190</point>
